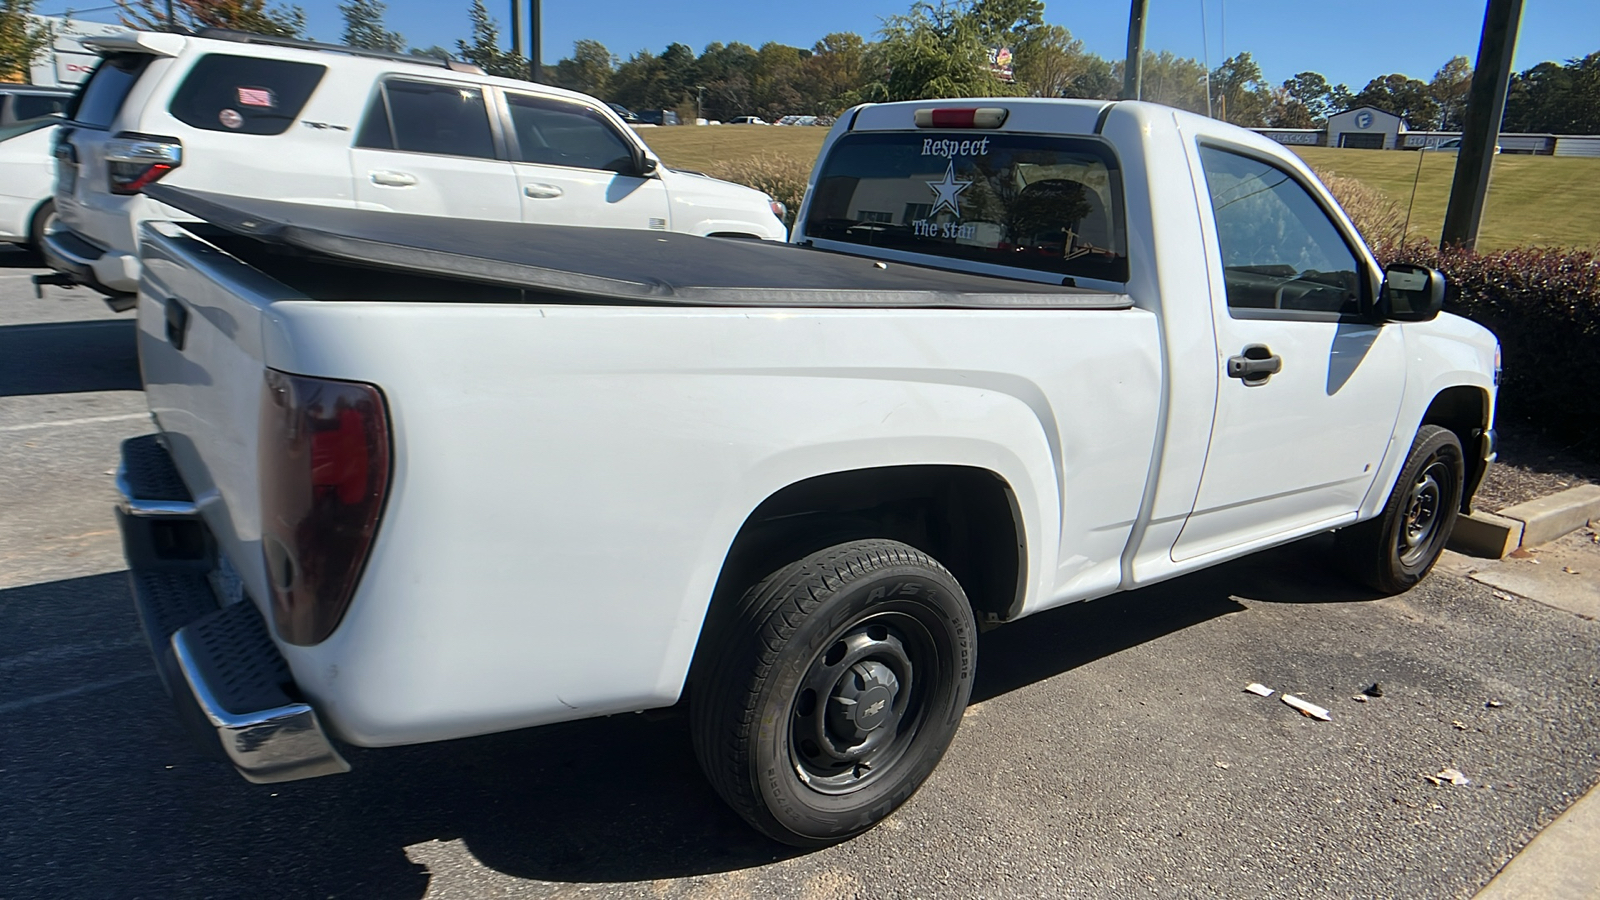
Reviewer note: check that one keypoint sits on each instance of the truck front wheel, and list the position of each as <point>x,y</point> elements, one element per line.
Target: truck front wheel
<point>1392,552</point>
<point>835,690</point>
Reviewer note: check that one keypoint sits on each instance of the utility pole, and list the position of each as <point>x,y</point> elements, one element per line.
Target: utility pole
<point>1486,103</point>
<point>516,27</point>
<point>535,67</point>
<point>1133,63</point>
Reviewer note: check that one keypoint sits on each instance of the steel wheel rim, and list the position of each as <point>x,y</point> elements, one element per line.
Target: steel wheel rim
<point>1424,510</point>
<point>830,750</point>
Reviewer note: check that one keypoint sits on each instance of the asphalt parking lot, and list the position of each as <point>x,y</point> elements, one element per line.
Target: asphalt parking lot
<point>1110,750</point>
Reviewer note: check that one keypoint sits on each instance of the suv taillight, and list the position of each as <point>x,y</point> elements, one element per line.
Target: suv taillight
<point>136,160</point>
<point>324,470</point>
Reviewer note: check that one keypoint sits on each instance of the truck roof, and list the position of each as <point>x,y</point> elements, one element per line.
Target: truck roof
<point>610,264</point>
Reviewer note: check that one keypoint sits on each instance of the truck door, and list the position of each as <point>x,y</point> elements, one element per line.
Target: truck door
<point>574,168</point>
<point>427,148</point>
<point>1308,392</point>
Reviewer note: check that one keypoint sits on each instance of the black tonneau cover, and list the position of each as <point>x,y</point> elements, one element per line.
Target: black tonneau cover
<point>614,264</point>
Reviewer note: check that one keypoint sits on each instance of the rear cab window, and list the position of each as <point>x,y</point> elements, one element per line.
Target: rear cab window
<point>97,105</point>
<point>1046,203</point>
<point>243,94</point>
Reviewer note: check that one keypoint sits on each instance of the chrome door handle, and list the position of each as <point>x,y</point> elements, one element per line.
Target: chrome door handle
<point>542,191</point>
<point>393,179</point>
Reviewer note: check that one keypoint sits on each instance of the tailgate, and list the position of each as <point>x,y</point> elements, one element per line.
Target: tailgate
<point>201,350</point>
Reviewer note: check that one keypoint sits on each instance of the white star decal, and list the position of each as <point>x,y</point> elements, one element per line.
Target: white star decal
<point>947,190</point>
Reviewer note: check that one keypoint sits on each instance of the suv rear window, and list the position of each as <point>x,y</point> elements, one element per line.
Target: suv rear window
<point>97,104</point>
<point>32,106</point>
<point>1028,201</point>
<point>243,94</point>
<point>428,117</point>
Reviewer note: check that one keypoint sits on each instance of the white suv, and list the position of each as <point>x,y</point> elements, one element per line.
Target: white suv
<point>254,116</point>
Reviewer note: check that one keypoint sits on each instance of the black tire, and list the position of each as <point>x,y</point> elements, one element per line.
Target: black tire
<point>1392,552</point>
<point>40,224</point>
<point>836,687</point>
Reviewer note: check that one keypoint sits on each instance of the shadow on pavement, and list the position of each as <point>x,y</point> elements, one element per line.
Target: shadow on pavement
<point>69,357</point>
<point>106,796</point>
<point>16,257</point>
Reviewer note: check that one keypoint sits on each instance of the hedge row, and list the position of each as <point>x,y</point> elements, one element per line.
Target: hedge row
<point>1544,305</point>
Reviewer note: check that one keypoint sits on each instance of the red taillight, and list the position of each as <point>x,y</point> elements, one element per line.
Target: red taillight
<point>975,117</point>
<point>135,161</point>
<point>324,469</point>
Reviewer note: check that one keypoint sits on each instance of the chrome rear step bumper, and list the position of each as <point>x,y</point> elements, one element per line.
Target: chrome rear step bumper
<point>232,687</point>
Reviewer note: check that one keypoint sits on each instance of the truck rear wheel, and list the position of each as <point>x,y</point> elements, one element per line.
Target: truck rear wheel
<point>835,690</point>
<point>1393,552</point>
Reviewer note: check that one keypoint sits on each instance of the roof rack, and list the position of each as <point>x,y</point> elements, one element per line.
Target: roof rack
<point>245,37</point>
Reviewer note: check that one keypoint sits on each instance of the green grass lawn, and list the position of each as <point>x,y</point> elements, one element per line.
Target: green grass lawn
<point>1532,199</point>
<point>1544,200</point>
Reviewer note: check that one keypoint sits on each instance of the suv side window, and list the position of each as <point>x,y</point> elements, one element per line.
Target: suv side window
<point>428,117</point>
<point>1280,250</point>
<point>243,94</point>
<point>558,133</point>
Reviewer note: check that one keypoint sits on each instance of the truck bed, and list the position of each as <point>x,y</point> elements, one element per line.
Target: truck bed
<point>315,248</point>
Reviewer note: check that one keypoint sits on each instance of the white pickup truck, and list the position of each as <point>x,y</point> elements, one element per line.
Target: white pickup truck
<point>419,479</point>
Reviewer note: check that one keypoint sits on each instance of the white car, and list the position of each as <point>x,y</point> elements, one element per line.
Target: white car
<point>248,115</point>
<point>747,120</point>
<point>26,180</point>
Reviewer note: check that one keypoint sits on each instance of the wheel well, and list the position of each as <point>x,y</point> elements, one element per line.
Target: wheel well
<point>966,518</point>
<point>1465,411</point>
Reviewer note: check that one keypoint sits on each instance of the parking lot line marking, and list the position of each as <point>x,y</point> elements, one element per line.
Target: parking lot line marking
<point>26,702</point>
<point>62,423</point>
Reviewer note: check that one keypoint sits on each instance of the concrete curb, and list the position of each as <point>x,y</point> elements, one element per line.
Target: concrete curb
<point>1559,863</point>
<point>1495,536</point>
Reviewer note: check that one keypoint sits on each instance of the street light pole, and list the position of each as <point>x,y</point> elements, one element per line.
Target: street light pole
<point>535,67</point>
<point>1133,63</point>
<point>1486,103</point>
<point>516,27</point>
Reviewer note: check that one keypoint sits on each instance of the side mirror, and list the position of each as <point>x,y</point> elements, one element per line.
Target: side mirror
<point>1410,293</point>
<point>646,166</point>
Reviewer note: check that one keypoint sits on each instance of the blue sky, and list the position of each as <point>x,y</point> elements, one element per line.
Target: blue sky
<point>1346,40</point>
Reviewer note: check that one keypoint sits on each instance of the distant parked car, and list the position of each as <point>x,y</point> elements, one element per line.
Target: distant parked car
<point>21,102</point>
<point>27,177</point>
<point>624,113</point>
<point>658,117</point>
<point>747,120</point>
<point>1453,145</point>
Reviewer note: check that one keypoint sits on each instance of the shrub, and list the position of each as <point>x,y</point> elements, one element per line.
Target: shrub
<point>1543,303</point>
<point>782,176</point>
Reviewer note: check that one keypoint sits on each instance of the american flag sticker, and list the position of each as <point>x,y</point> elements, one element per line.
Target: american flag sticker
<point>256,97</point>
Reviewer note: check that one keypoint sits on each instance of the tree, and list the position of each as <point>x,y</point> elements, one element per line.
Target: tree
<point>1405,97</point>
<point>1173,80</point>
<point>22,39</point>
<point>1242,95</point>
<point>1313,93</point>
<point>1449,89</point>
<point>434,52</point>
<point>1284,111</point>
<point>363,27</point>
<point>1050,62</point>
<point>238,15</point>
<point>588,70</point>
<point>936,50</point>
<point>834,70</point>
<point>485,51</point>
<point>1551,97</point>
